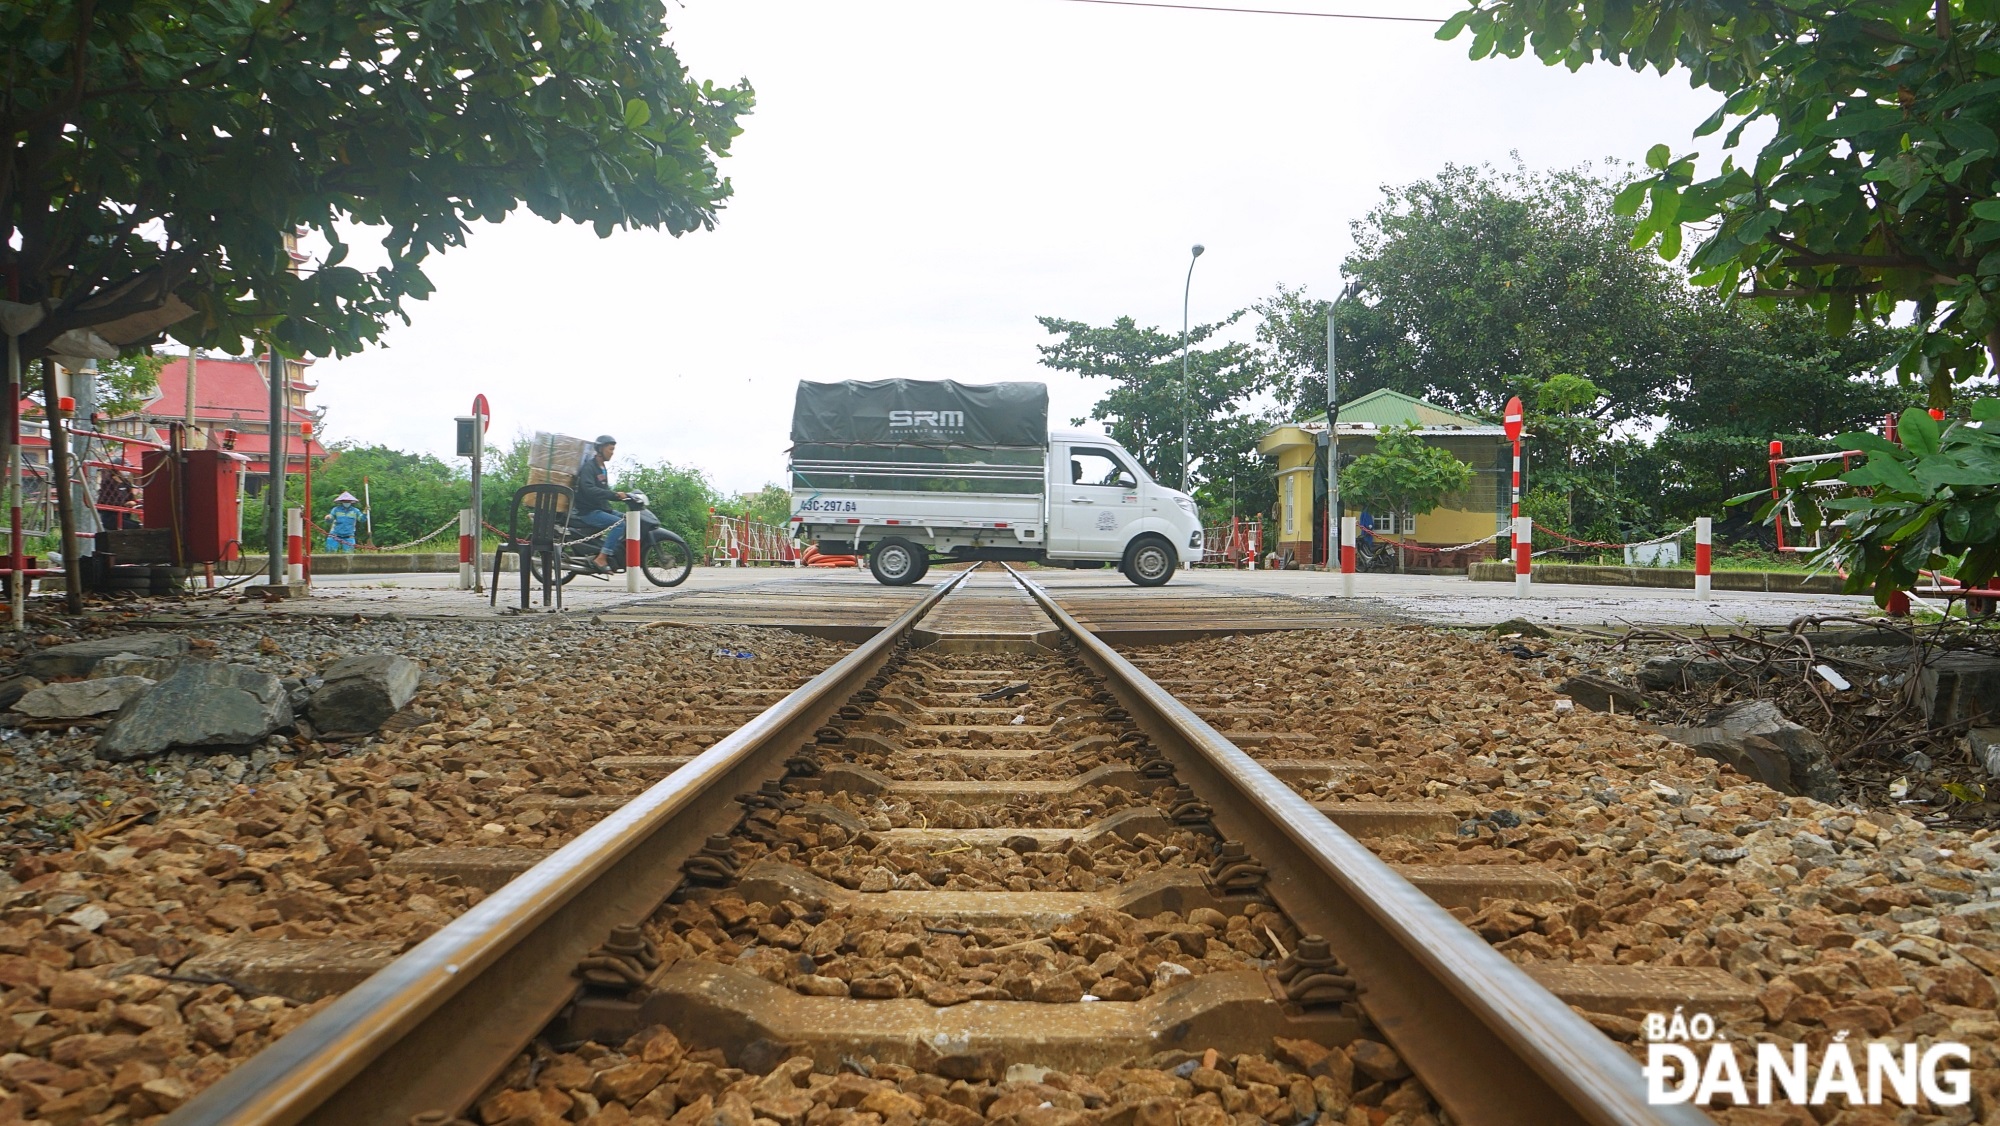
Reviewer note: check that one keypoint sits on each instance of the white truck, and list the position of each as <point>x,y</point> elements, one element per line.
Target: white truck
<point>904,471</point>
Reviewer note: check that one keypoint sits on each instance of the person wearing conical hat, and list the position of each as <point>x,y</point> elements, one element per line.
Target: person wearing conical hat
<point>341,522</point>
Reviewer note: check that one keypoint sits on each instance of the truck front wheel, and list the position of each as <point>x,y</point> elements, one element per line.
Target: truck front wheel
<point>898,562</point>
<point>1150,561</point>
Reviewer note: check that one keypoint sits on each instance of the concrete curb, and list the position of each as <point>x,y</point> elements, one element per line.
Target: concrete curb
<point>376,563</point>
<point>1767,582</point>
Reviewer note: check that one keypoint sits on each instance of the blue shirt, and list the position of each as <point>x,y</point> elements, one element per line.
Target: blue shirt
<point>342,520</point>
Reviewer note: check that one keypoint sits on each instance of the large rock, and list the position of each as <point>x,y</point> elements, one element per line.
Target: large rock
<point>132,664</point>
<point>361,691</point>
<point>1601,694</point>
<point>203,704</point>
<point>79,657</point>
<point>15,687</point>
<point>1984,742</point>
<point>1959,687</point>
<point>1680,674</point>
<point>1755,738</point>
<point>81,699</point>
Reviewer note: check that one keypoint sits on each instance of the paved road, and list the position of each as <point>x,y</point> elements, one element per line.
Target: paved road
<point>1444,600</point>
<point>1457,600</point>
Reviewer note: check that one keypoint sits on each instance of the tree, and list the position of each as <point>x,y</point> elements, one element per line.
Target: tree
<point>409,494</point>
<point>154,154</point>
<point>1574,485</point>
<point>1878,184</point>
<point>679,495</point>
<point>1475,280</point>
<point>771,505</point>
<point>1402,474</point>
<point>1928,502</point>
<point>158,157</point>
<point>1755,375</point>
<point>1145,407</point>
<point>124,384</point>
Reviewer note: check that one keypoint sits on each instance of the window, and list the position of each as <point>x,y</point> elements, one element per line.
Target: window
<point>1409,523</point>
<point>1089,465</point>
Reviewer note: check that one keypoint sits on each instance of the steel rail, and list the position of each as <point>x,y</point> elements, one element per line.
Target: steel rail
<point>431,1030</point>
<point>1492,1046</point>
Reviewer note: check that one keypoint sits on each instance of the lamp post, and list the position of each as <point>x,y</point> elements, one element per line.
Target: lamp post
<point>1333,509</point>
<point>1185,291</point>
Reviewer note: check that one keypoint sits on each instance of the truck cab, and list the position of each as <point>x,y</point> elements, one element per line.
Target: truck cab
<point>1102,502</point>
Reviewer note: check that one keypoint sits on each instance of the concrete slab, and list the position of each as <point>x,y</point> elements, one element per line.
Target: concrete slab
<point>1457,600</point>
<point>724,1007</point>
<point>288,967</point>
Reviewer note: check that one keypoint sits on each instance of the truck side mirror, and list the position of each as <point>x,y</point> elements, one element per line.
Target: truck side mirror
<point>1126,479</point>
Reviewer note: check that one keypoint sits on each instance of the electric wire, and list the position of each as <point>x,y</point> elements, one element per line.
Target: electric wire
<point>1258,11</point>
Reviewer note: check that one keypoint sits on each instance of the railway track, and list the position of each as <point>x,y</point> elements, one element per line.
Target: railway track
<point>981,847</point>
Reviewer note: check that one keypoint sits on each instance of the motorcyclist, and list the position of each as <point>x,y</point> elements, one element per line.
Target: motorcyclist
<point>594,495</point>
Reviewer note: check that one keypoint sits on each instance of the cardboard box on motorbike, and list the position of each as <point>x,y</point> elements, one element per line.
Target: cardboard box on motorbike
<point>555,459</point>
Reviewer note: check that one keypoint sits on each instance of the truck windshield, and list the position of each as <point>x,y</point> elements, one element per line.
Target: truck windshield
<point>1093,465</point>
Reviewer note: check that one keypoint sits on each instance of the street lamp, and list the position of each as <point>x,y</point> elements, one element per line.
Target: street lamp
<point>1333,510</point>
<point>1185,290</point>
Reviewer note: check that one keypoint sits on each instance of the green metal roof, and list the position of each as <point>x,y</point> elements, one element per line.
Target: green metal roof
<point>1393,408</point>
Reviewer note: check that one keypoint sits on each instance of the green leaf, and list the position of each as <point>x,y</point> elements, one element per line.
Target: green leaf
<point>1658,157</point>
<point>1714,121</point>
<point>1918,431</point>
<point>1456,23</point>
<point>1987,209</point>
<point>637,113</point>
<point>1986,410</point>
<point>1885,473</point>
<point>1630,197</point>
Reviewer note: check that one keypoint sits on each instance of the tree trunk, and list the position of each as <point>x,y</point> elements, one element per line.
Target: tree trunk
<point>59,480</point>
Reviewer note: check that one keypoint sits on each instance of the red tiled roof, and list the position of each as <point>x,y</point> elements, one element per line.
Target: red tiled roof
<point>225,389</point>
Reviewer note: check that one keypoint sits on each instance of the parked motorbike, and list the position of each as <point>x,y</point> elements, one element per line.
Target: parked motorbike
<point>1375,556</point>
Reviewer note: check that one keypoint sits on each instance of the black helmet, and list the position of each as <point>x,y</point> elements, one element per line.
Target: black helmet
<point>605,440</point>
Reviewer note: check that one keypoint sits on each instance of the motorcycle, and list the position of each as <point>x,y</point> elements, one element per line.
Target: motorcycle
<point>665,557</point>
<point>1373,556</point>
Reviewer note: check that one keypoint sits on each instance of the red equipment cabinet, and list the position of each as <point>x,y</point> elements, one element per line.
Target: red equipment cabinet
<point>205,528</point>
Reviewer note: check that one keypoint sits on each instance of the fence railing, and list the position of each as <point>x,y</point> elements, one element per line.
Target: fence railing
<point>1239,543</point>
<point>738,541</point>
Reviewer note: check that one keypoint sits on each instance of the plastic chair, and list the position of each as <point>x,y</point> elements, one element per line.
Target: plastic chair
<point>547,506</point>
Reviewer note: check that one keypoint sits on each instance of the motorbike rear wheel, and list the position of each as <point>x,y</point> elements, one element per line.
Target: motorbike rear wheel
<point>667,559</point>
<point>563,565</point>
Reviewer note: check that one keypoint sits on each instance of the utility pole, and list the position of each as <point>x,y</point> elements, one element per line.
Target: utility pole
<point>274,494</point>
<point>1185,291</point>
<point>1333,510</point>
<point>193,354</point>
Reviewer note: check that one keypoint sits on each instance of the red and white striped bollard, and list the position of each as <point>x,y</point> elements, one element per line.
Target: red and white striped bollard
<point>632,547</point>
<point>1703,537</point>
<point>1350,529</point>
<point>1524,546</point>
<point>468,566</point>
<point>295,546</point>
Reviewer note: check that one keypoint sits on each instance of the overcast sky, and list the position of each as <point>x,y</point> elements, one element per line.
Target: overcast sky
<point>921,178</point>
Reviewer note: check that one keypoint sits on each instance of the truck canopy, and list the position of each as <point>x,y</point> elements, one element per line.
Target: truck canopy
<point>922,412</point>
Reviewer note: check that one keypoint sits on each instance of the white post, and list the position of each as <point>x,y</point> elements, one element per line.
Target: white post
<point>633,547</point>
<point>1350,532</point>
<point>468,549</point>
<point>1704,529</point>
<point>1524,547</point>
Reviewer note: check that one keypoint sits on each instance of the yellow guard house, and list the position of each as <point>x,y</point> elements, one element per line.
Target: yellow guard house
<point>1477,514</point>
